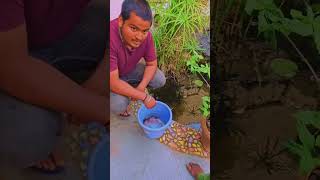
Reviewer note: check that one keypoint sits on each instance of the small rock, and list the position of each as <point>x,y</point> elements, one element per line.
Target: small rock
<point>192,91</point>
<point>204,42</point>
<point>240,110</point>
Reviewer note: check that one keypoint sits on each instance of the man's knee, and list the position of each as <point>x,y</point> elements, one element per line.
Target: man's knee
<point>159,80</point>
<point>118,103</point>
<point>27,132</point>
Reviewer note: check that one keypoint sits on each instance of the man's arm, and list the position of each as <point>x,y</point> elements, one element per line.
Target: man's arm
<point>149,72</point>
<point>38,83</point>
<point>98,81</point>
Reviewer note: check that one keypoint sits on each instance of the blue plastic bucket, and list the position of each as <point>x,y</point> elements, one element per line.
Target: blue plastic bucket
<point>162,111</point>
<point>98,168</point>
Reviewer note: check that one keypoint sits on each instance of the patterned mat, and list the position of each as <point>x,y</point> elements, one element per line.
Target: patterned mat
<point>82,143</point>
<point>180,137</point>
<point>184,139</point>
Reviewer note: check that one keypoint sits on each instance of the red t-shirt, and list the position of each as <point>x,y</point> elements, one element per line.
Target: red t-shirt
<point>46,20</point>
<point>121,57</point>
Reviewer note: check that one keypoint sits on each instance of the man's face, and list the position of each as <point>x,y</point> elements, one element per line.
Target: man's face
<point>134,30</point>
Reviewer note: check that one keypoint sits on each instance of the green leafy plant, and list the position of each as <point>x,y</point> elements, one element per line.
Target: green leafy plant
<point>284,67</point>
<point>306,148</point>
<point>195,65</point>
<point>316,7</point>
<point>193,47</point>
<point>272,20</point>
<point>176,27</point>
<point>198,83</point>
<point>205,107</point>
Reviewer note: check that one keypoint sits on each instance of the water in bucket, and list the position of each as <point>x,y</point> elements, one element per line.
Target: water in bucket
<point>161,120</point>
<point>153,122</point>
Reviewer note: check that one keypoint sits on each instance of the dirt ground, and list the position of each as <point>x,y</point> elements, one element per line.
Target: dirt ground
<point>240,155</point>
<point>188,110</point>
<point>183,98</point>
<point>257,115</point>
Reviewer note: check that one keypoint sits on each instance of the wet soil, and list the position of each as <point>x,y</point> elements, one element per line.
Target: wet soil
<point>183,97</point>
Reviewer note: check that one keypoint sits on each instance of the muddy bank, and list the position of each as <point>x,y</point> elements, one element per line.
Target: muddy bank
<point>183,97</point>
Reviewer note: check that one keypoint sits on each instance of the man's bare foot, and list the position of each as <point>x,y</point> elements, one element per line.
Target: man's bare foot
<point>126,113</point>
<point>194,169</point>
<point>52,163</point>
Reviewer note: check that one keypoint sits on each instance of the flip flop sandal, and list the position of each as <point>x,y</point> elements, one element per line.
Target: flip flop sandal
<point>125,114</point>
<point>43,170</point>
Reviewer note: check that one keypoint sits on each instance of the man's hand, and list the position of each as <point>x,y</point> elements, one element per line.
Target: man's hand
<point>149,101</point>
<point>194,169</point>
<point>141,88</point>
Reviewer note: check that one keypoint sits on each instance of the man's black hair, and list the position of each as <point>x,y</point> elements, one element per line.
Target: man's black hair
<point>140,7</point>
